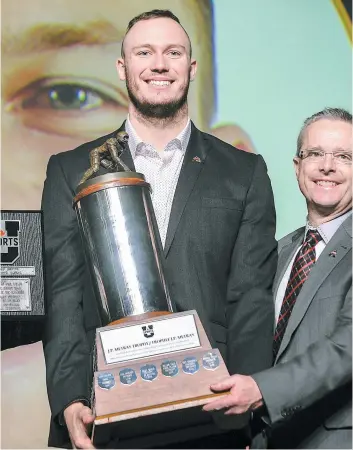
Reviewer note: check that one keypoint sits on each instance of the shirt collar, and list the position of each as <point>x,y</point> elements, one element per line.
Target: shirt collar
<point>134,140</point>
<point>328,229</point>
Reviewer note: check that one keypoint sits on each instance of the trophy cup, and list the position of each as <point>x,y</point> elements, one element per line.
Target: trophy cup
<point>149,359</point>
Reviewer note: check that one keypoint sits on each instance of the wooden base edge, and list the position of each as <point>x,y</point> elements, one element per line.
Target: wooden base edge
<point>157,409</point>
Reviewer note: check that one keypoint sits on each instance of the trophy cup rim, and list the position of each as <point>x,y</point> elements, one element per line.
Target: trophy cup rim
<point>109,180</point>
<point>112,176</point>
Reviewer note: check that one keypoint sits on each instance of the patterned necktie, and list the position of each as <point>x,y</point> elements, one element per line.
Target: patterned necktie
<point>304,261</point>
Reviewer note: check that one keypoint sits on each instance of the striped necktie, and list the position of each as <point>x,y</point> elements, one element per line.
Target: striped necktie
<point>304,261</point>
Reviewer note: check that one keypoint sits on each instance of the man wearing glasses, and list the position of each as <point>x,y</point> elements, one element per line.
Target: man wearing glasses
<point>305,400</point>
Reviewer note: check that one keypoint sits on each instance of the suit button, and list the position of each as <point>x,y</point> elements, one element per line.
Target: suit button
<point>297,408</point>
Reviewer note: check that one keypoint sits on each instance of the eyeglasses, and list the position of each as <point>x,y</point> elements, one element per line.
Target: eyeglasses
<point>315,156</point>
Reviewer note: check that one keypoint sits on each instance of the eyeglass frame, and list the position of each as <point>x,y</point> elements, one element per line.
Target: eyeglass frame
<point>323,154</point>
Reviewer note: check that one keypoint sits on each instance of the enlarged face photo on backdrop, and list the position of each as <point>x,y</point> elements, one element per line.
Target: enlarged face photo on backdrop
<point>61,88</point>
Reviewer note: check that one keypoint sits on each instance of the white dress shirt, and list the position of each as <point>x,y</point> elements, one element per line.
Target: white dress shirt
<point>326,230</point>
<point>161,170</point>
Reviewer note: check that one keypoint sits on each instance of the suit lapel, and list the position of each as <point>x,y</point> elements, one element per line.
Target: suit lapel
<point>189,174</point>
<point>127,159</point>
<point>126,155</point>
<point>285,256</point>
<point>341,243</point>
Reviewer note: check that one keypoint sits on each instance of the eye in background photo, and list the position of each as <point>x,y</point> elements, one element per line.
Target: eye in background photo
<point>263,68</point>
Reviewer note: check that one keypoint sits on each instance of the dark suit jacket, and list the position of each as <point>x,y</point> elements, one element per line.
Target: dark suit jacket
<point>220,259</point>
<point>308,393</point>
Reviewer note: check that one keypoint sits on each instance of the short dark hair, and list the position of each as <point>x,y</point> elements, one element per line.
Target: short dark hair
<point>153,14</point>
<point>327,113</point>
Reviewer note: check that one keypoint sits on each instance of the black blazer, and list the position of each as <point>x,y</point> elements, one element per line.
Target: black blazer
<point>220,259</point>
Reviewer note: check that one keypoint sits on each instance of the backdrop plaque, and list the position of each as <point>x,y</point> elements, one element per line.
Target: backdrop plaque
<point>21,269</point>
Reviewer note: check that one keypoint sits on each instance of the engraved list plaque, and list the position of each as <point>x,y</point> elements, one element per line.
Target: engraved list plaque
<point>21,269</point>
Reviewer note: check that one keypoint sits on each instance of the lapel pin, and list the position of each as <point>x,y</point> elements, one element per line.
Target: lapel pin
<point>333,253</point>
<point>196,159</point>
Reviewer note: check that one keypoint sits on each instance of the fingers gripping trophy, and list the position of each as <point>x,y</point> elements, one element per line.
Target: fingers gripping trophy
<point>148,359</point>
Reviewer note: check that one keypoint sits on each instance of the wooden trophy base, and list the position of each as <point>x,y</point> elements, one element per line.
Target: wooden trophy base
<point>159,364</point>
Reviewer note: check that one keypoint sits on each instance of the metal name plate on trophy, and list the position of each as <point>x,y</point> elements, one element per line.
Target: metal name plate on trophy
<point>148,372</point>
<point>190,365</point>
<point>21,269</point>
<point>127,376</point>
<point>149,359</point>
<point>169,368</point>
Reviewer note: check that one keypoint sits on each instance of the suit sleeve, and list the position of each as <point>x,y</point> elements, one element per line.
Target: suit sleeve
<point>323,367</point>
<point>250,309</point>
<point>66,351</point>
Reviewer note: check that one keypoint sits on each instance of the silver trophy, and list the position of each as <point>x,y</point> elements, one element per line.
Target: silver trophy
<point>120,237</point>
<point>147,360</point>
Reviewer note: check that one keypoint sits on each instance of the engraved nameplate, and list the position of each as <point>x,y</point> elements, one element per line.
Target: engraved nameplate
<point>15,294</point>
<point>169,334</point>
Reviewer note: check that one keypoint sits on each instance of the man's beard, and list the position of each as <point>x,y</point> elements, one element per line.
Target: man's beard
<point>161,111</point>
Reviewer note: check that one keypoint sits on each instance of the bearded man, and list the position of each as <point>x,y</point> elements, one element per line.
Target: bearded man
<point>215,213</point>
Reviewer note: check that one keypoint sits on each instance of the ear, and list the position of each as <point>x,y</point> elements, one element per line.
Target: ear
<point>120,67</point>
<point>296,161</point>
<point>193,69</point>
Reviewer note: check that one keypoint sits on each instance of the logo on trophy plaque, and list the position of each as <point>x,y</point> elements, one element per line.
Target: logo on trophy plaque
<point>149,359</point>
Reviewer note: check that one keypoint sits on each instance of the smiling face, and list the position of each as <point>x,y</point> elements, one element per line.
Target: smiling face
<point>157,67</point>
<point>59,83</point>
<point>326,183</point>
